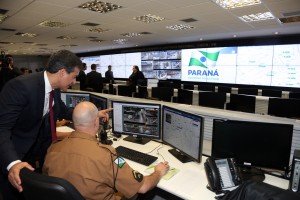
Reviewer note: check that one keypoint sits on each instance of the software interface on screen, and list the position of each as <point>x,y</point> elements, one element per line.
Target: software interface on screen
<point>71,99</point>
<point>184,132</point>
<point>136,119</point>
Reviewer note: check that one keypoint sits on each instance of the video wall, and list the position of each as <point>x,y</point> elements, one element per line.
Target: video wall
<point>269,65</point>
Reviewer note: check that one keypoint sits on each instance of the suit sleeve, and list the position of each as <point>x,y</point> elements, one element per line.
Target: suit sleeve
<point>12,102</point>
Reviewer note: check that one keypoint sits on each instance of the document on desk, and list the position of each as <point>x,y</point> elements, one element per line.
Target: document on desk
<point>172,172</point>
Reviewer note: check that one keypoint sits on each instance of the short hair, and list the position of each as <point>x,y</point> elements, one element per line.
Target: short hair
<point>136,67</point>
<point>63,59</point>
<point>109,66</point>
<point>93,66</point>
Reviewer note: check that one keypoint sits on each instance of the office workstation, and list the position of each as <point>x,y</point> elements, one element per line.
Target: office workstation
<point>190,182</point>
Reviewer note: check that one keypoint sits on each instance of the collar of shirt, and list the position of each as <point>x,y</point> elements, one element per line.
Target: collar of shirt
<point>77,134</point>
<point>48,87</point>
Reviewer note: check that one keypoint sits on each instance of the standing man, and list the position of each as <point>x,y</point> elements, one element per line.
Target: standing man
<point>102,172</point>
<point>82,77</point>
<point>136,76</point>
<point>109,76</point>
<point>25,132</point>
<point>94,80</point>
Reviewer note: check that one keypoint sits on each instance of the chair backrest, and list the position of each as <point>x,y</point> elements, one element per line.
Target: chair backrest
<point>244,103</point>
<point>249,91</point>
<point>212,99</point>
<point>271,93</point>
<point>163,93</point>
<point>37,186</point>
<point>185,96</point>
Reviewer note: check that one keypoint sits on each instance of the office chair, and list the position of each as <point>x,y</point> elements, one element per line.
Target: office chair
<point>37,186</point>
<point>248,91</point>
<point>126,90</point>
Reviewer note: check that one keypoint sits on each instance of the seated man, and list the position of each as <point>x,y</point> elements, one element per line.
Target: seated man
<point>93,168</point>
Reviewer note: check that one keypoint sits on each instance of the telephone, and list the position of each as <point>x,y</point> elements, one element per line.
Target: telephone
<point>222,173</point>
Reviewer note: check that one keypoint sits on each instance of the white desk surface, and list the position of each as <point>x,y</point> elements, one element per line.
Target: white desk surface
<point>190,182</point>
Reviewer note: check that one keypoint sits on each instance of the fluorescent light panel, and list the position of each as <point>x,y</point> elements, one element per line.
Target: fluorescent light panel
<point>229,4</point>
<point>257,17</point>
<point>149,18</point>
<point>99,6</point>
<point>180,27</point>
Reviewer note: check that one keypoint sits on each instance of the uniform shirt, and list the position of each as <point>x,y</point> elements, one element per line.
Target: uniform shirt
<point>91,167</point>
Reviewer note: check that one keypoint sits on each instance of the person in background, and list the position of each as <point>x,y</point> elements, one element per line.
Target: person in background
<point>25,132</point>
<point>109,76</point>
<point>102,172</point>
<point>82,77</point>
<point>94,80</point>
<point>25,70</point>
<point>136,76</point>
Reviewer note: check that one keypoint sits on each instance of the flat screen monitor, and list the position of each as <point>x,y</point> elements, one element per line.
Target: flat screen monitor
<point>253,144</point>
<point>141,121</point>
<point>271,93</point>
<point>212,99</point>
<point>184,132</point>
<point>281,107</point>
<point>100,102</point>
<point>240,102</point>
<point>71,99</point>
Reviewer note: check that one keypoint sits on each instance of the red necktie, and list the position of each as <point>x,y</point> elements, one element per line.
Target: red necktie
<point>53,130</point>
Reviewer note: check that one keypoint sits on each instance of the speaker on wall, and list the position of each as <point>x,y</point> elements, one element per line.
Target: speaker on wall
<point>294,184</point>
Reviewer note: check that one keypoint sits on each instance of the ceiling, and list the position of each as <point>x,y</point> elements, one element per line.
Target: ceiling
<point>212,23</point>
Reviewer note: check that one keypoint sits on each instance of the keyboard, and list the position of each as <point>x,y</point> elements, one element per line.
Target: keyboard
<point>136,156</point>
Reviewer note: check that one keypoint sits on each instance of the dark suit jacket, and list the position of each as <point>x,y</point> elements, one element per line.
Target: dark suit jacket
<point>82,79</point>
<point>135,77</point>
<point>94,80</point>
<point>21,115</point>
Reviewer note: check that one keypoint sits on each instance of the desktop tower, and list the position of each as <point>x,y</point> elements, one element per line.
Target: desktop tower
<point>295,174</point>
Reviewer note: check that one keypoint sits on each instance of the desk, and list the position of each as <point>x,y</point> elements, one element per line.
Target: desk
<point>190,182</point>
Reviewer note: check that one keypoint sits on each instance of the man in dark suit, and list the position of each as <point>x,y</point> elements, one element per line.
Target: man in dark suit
<point>25,132</point>
<point>94,80</point>
<point>82,77</point>
<point>136,76</point>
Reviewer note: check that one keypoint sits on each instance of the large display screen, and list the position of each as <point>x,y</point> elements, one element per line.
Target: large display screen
<point>268,65</point>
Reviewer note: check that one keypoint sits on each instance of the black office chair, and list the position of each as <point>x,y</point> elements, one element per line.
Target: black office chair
<point>37,186</point>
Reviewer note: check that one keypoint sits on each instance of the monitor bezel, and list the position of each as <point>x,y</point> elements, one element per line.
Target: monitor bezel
<point>76,93</point>
<point>156,137</point>
<point>100,97</point>
<point>244,162</point>
<point>200,150</point>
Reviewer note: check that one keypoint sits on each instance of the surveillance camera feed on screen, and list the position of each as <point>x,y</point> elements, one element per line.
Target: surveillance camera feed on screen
<point>100,102</point>
<point>136,119</point>
<point>71,99</point>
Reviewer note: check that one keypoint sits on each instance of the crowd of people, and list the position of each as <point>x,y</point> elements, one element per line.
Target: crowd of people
<point>28,137</point>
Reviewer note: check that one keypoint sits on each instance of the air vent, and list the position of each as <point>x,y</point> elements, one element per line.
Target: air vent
<point>289,14</point>
<point>90,24</point>
<point>145,33</point>
<point>188,20</point>
<point>3,11</point>
<point>8,29</point>
<point>290,19</point>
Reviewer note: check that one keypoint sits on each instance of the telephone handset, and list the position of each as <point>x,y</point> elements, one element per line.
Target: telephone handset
<point>222,173</point>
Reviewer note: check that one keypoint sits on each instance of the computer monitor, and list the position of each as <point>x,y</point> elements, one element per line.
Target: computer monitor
<point>71,99</point>
<point>100,102</point>
<point>281,107</point>
<point>184,132</point>
<point>240,102</point>
<point>212,99</point>
<point>253,144</point>
<point>141,121</point>
<point>271,93</point>
<point>249,91</point>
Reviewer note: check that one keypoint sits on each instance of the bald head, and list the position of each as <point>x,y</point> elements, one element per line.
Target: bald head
<point>85,115</point>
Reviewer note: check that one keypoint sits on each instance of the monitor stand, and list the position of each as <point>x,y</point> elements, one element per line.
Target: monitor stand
<point>251,173</point>
<point>138,140</point>
<point>180,156</point>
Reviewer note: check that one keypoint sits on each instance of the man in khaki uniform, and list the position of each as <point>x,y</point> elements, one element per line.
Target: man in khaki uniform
<point>95,169</point>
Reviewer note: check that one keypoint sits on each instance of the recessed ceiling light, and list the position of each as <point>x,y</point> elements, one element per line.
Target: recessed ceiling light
<point>131,34</point>
<point>53,24</point>
<point>180,27</point>
<point>120,41</point>
<point>149,18</point>
<point>97,30</point>
<point>99,6</point>
<point>96,40</point>
<point>234,36</point>
<point>229,4</point>
<point>276,33</point>
<point>65,37</point>
<point>257,17</point>
<point>27,34</point>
